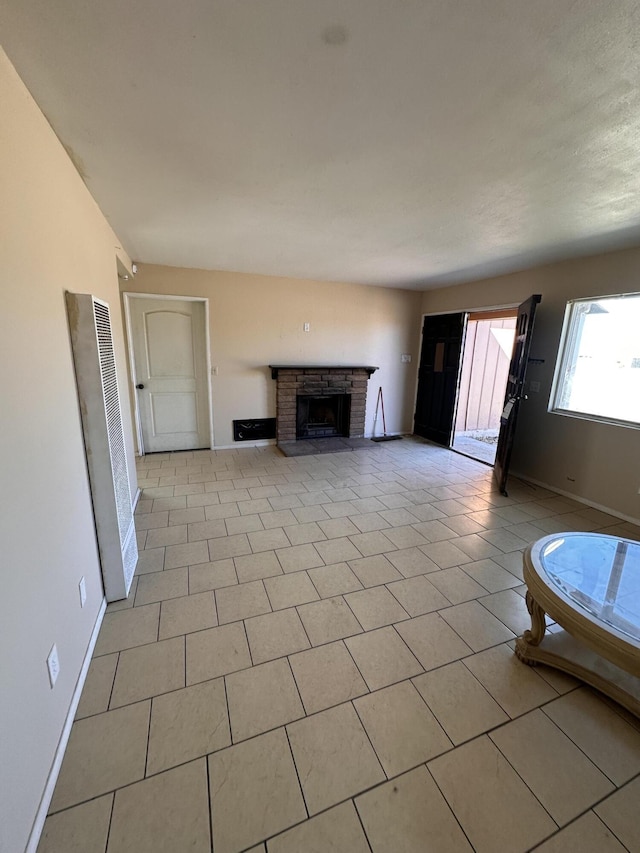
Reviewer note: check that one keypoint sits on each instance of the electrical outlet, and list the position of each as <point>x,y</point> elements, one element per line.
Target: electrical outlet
<point>82,586</point>
<point>307,327</point>
<point>405,358</point>
<point>53,665</point>
<point>534,387</point>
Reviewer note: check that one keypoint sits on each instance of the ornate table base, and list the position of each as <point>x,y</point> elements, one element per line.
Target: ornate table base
<point>562,651</point>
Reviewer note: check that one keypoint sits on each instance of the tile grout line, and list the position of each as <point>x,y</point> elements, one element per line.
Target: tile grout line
<point>522,779</point>
<point>442,794</point>
<point>342,639</point>
<point>295,767</point>
<point>110,824</point>
<point>359,816</point>
<point>584,687</point>
<point>371,744</point>
<point>146,754</point>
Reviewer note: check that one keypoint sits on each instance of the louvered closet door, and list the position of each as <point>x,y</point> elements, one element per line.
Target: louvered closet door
<point>115,433</point>
<point>104,440</point>
<point>170,364</point>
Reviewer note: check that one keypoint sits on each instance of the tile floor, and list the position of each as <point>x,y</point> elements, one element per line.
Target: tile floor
<point>316,655</point>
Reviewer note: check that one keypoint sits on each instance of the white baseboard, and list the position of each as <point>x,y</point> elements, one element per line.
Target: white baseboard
<point>577,498</point>
<point>45,802</point>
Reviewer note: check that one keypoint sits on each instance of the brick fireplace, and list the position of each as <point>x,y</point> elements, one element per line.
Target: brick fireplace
<point>318,401</point>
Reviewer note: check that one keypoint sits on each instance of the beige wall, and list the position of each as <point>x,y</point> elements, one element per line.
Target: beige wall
<point>599,463</point>
<point>53,238</point>
<point>258,320</point>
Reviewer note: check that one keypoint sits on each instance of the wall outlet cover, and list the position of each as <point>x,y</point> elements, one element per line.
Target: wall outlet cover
<point>405,358</point>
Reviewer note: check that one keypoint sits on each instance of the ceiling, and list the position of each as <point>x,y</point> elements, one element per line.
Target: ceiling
<point>407,143</point>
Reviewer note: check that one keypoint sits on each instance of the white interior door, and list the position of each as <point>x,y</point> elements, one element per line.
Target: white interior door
<point>170,373</point>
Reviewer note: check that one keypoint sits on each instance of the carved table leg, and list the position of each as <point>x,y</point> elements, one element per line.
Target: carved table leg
<point>535,635</point>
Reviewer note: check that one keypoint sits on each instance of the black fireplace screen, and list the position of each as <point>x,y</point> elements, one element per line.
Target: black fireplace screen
<point>319,417</point>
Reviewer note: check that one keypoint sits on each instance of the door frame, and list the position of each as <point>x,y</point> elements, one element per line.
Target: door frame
<point>467,311</point>
<point>132,362</point>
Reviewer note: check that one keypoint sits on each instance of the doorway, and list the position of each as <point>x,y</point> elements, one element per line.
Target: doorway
<point>483,379</point>
<point>442,387</point>
<point>168,350</point>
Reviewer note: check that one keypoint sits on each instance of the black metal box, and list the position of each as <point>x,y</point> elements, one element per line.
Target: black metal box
<point>253,429</point>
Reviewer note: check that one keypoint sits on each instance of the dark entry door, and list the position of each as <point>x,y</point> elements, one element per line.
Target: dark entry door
<point>515,387</point>
<point>442,338</point>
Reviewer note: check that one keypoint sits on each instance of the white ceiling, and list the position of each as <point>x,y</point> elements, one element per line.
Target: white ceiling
<point>409,143</point>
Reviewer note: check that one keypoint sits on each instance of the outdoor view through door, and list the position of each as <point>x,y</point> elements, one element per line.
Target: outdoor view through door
<point>486,355</point>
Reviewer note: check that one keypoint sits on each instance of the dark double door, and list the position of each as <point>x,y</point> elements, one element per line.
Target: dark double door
<point>439,375</point>
<point>442,339</point>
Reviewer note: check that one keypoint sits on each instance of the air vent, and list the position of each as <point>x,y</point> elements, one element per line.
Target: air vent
<point>97,382</point>
<point>254,429</point>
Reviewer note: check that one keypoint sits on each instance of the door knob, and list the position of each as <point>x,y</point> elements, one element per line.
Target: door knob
<point>140,386</point>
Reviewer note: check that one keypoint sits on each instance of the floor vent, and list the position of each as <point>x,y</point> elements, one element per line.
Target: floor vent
<point>254,429</point>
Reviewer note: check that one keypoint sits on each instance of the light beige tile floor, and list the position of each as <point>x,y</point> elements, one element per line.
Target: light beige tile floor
<point>317,655</point>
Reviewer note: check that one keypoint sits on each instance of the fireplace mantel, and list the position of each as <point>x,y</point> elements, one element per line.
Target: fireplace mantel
<point>299,367</point>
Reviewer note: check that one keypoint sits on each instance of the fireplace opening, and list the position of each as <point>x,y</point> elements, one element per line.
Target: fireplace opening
<point>322,416</point>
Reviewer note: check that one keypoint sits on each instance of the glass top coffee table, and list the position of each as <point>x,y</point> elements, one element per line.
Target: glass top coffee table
<point>589,584</point>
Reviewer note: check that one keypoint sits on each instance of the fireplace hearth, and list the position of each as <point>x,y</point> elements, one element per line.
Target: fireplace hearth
<point>319,402</point>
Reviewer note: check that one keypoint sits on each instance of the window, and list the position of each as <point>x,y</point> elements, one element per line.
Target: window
<point>598,370</point>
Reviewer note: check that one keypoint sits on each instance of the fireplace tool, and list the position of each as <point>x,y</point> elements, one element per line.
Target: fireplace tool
<point>385,437</point>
